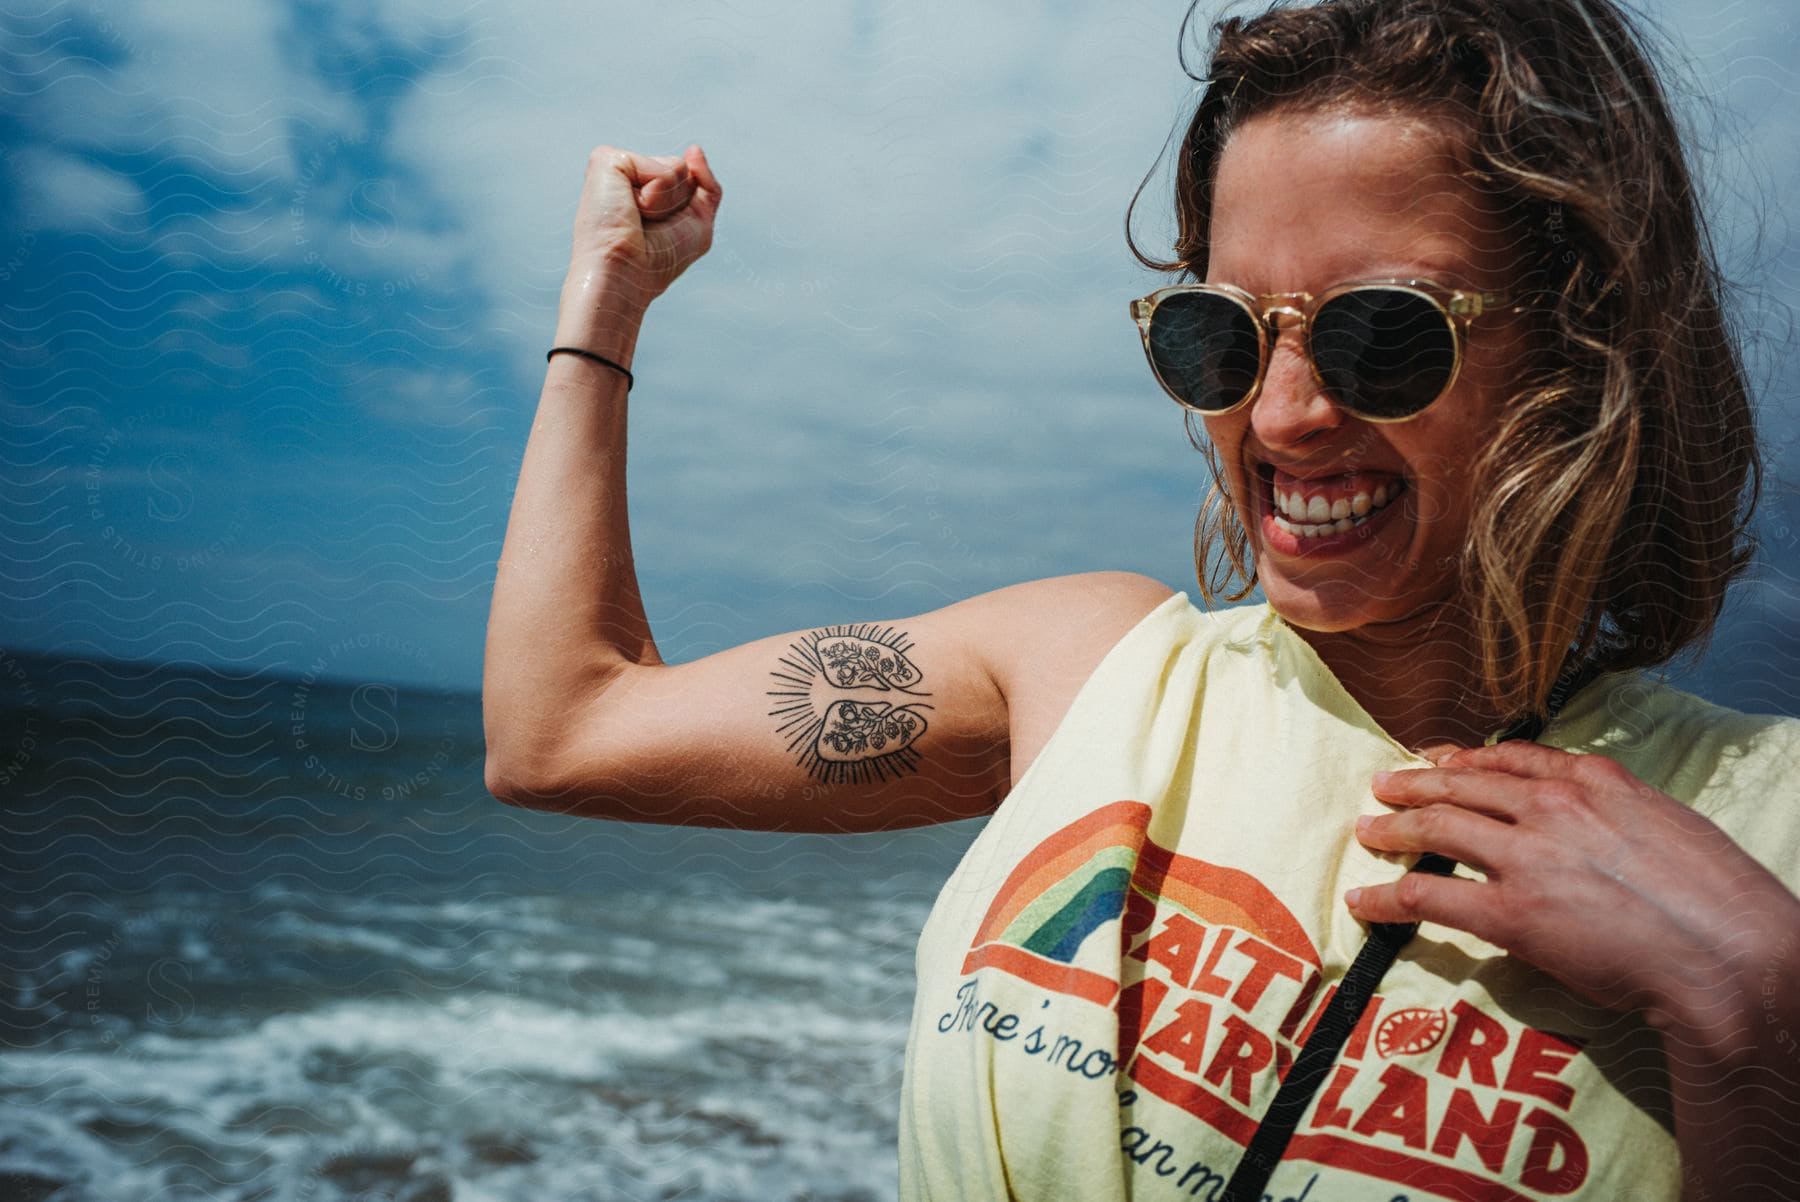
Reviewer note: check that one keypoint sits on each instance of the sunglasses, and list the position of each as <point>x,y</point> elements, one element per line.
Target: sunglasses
<point>1382,349</point>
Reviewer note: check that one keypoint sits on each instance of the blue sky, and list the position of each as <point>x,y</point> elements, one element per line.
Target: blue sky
<point>278,277</point>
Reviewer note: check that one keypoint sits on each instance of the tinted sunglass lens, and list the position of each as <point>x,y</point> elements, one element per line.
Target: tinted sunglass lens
<point>1205,349</point>
<point>1383,352</point>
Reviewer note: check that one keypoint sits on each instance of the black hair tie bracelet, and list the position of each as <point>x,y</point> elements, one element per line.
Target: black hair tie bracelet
<point>602,360</point>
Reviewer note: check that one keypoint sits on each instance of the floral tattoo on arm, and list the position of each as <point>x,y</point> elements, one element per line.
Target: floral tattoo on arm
<point>839,703</point>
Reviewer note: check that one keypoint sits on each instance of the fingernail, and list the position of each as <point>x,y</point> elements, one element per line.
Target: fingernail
<point>1351,897</point>
<point>1362,823</point>
<point>1380,779</point>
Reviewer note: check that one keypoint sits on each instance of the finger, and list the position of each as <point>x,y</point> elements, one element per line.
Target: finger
<point>1495,793</point>
<point>624,189</point>
<point>609,192</point>
<point>641,169</point>
<point>1450,830</point>
<point>1437,753</point>
<point>664,197</point>
<point>670,171</point>
<point>702,171</point>
<point>1519,757</point>
<point>1450,901</point>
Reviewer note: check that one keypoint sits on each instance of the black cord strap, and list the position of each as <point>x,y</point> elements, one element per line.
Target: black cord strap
<point>1321,1049</point>
<point>602,360</point>
<point>1345,1010</point>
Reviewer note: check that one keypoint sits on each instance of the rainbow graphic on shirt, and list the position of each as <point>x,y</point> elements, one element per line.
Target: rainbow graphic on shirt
<point>1102,868</point>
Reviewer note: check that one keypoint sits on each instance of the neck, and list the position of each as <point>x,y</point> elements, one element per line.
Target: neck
<point>1417,678</point>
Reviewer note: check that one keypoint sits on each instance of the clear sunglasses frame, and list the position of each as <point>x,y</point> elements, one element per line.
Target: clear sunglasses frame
<point>1458,307</point>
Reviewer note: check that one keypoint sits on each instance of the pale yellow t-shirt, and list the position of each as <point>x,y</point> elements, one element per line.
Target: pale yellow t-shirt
<point>1152,920</point>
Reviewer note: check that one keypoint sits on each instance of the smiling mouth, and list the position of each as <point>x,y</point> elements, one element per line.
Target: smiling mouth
<point>1311,511</point>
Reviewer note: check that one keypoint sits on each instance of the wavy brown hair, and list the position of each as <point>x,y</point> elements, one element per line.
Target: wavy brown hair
<point>1620,486</point>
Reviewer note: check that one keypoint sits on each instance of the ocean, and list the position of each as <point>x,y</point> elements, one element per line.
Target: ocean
<point>270,938</point>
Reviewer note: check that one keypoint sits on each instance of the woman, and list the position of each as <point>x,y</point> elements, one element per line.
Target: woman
<point>1481,435</point>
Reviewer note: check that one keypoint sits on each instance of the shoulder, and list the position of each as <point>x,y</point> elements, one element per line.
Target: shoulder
<point>1707,755</point>
<point>1077,619</point>
<point>1056,622</point>
<point>1116,596</point>
<point>1740,770</point>
<point>1056,602</point>
<point>1060,622</point>
<point>1639,708</point>
<point>1041,640</point>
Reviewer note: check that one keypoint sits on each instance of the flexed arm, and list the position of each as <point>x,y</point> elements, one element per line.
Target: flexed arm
<point>566,613</point>
<point>867,726</point>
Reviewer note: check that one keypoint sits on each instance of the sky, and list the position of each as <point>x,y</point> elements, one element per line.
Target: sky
<point>276,280</point>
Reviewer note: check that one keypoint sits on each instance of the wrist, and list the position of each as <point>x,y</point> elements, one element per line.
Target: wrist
<point>600,312</point>
<point>1724,1018</point>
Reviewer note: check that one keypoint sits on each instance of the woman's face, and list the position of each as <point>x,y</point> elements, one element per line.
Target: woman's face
<point>1303,201</point>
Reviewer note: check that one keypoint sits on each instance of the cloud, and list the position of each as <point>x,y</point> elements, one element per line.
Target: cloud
<point>66,192</point>
<point>174,80</point>
<point>906,358</point>
<point>874,160</point>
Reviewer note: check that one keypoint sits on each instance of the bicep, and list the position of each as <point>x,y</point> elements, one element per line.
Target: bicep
<point>867,727</point>
<point>870,727</point>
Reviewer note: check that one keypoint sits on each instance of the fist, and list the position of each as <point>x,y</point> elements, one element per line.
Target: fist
<point>643,219</point>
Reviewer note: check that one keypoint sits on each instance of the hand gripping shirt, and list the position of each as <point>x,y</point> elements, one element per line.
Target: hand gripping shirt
<point>1142,936</point>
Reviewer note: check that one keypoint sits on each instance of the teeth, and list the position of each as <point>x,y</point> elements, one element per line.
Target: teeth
<point>1311,517</point>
